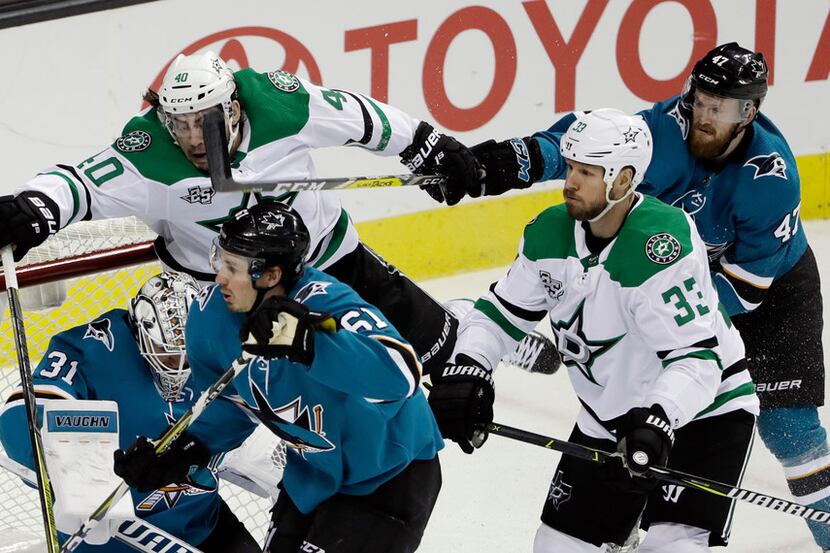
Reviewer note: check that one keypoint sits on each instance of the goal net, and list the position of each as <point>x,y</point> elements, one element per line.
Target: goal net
<point>84,270</point>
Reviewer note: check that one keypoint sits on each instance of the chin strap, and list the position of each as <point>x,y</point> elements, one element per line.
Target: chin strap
<point>611,203</point>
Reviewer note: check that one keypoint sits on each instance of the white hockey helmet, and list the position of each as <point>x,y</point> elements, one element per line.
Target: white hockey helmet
<point>195,83</point>
<point>613,140</point>
<point>159,314</point>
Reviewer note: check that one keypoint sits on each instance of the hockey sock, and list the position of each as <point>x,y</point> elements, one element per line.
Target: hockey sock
<point>797,439</point>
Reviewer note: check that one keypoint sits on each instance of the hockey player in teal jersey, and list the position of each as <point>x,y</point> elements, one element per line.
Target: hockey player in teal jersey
<point>726,164</point>
<point>156,171</point>
<point>657,367</point>
<point>136,358</point>
<point>331,376</point>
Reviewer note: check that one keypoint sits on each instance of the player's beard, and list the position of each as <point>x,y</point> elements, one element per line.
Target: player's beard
<point>582,211</point>
<point>706,142</point>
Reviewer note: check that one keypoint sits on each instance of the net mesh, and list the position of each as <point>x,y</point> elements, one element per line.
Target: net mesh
<point>53,307</point>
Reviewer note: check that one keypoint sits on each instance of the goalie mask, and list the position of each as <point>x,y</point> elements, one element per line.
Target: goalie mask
<point>159,314</point>
<point>613,140</point>
<point>193,84</point>
<point>267,234</point>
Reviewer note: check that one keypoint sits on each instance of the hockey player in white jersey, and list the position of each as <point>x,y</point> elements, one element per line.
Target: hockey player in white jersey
<point>156,171</point>
<point>656,365</point>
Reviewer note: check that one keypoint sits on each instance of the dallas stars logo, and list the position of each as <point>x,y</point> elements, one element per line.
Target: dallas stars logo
<point>576,349</point>
<point>559,492</point>
<point>630,135</point>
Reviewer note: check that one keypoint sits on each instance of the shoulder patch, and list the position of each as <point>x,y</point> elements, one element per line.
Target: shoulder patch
<point>283,80</point>
<point>135,141</point>
<point>313,288</point>
<point>204,295</point>
<point>768,165</point>
<point>662,248</point>
<point>100,330</point>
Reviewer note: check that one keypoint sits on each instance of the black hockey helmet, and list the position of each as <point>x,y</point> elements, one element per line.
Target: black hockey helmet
<point>269,234</point>
<point>729,71</point>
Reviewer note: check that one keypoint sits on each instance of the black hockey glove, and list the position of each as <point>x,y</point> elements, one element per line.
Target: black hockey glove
<point>646,438</point>
<point>462,401</point>
<point>283,328</point>
<point>514,163</point>
<point>143,470</point>
<point>27,220</point>
<point>434,152</point>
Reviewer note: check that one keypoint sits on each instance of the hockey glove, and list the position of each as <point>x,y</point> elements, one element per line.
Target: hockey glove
<point>27,220</point>
<point>434,152</point>
<point>283,328</point>
<point>461,399</point>
<point>514,163</point>
<point>647,438</point>
<point>143,470</point>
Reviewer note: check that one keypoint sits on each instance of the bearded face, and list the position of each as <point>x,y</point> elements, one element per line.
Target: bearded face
<point>715,123</point>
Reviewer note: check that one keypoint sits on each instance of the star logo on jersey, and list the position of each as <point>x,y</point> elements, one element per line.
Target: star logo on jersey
<point>135,141</point>
<point>100,330</point>
<point>662,248</point>
<point>292,422</point>
<point>770,165</point>
<point>315,288</point>
<point>285,81</point>
<point>559,492</point>
<point>199,195</point>
<point>273,220</point>
<point>575,347</point>
<point>630,135</point>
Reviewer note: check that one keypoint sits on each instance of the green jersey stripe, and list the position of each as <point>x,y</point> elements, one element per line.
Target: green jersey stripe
<point>705,354</point>
<point>387,128</point>
<point>75,196</point>
<point>338,233</point>
<point>496,316</point>
<point>747,389</point>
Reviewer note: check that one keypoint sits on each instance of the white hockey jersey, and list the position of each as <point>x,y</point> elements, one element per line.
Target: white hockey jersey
<point>143,173</point>
<point>636,324</point>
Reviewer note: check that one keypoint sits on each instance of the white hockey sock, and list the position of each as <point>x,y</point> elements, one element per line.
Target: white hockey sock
<point>669,537</point>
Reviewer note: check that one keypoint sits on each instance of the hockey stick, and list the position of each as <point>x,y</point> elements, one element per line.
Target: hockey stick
<point>162,444</point>
<point>665,474</point>
<point>44,485</point>
<point>142,536</point>
<point>219,169</point>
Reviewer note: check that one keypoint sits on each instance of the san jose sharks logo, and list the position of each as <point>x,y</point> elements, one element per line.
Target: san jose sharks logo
<point>575,347</point>
<point>100,330</point>
<point>768,165</point>
<point>677,114</point>
<point>315,288</point>
<point>273,220</point>
<point>204,296</point>
<point>691,202</point>
<point>170,495</point>
<point>293,422</point>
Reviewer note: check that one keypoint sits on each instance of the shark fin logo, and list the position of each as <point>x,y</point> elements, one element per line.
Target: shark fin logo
<point>100,330</point>
<point>770,165</point>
